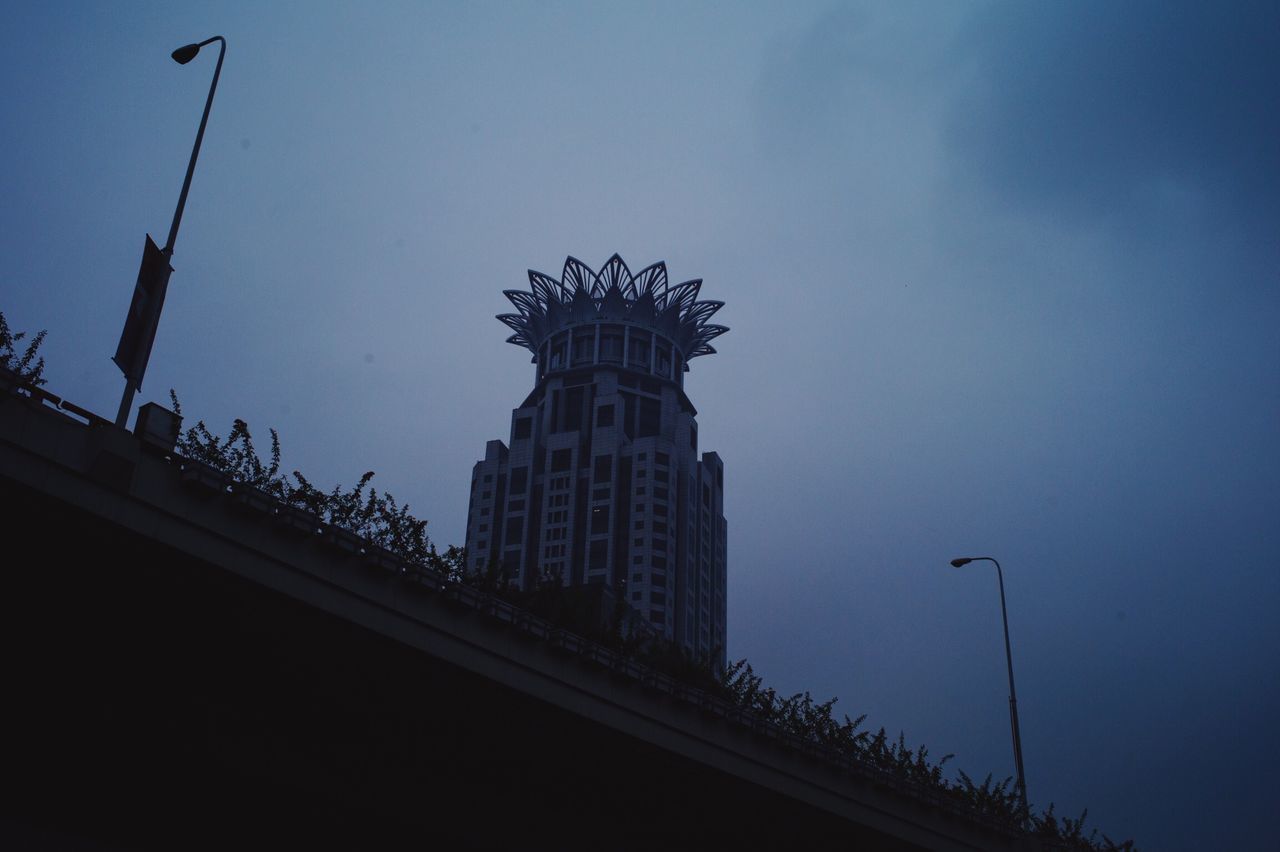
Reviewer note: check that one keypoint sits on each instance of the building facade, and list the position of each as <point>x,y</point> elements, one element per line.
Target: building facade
<point>601,481</point>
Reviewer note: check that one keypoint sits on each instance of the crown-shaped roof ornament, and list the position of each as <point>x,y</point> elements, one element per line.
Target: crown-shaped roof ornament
<point>613,295</point>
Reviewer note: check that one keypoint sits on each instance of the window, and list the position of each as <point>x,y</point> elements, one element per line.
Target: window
<point>599,520</point>
<point>650,417</point>
<point>573,409</point>
<point>561,459</point>
<point>611,344</point>
<point>638,350</point>
<point>514,528</point>
<point>519,479</point>
<point>640,491</point>
<point>584,347</point>
<point>662,458</point>
<point>598,555</point>
<point>483,528</point>
<point>515,506</point>
<point>657,616</point>
<point>600,493</point>
<point>659,493</point>
<point>524,428</point>
<point>628,414</point>
<point>604,415</point>
<point>640,524</point>
<point>488,477</point>
<point>604,469</point>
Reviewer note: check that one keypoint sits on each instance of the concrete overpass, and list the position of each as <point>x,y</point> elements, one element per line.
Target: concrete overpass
<point>190,665</point>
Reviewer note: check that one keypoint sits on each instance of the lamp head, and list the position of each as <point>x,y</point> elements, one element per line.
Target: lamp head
<point>185,54</point>
<point>961,562</point>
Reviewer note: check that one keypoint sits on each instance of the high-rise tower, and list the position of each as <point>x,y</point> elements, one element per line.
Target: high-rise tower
<point>601,481</point>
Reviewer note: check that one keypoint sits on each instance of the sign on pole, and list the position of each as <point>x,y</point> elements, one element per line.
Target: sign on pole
<point>139,333</point>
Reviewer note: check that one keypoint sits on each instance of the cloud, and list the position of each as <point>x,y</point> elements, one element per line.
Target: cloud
<point>1148,108</point>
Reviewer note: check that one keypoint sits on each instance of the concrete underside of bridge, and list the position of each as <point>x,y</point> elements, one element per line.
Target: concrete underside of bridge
<point>179,675</point>
<point>154,701</point>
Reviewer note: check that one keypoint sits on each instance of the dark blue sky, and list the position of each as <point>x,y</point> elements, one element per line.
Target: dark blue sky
<point>1001,278</point>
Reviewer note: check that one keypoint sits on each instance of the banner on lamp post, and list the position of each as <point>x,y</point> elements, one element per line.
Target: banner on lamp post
<point>134,349</point>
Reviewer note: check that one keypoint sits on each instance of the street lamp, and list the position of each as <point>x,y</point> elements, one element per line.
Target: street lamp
<point>1013,695</point>
<point>134,349</point>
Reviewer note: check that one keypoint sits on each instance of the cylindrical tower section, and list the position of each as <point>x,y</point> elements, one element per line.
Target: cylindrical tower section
<point>611,344</point>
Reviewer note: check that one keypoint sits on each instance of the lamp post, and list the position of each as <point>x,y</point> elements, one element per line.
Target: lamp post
<point>1013,695</point>
<point>134,349</point>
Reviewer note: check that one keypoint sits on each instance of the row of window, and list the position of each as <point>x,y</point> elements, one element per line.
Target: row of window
<point>658,526</point>
<point>608,344</point>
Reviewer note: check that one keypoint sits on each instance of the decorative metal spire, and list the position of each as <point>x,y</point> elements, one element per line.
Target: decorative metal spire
<point>613,295</point>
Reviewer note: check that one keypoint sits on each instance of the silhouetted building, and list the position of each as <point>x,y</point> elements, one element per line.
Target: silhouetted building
<point>601,482</point>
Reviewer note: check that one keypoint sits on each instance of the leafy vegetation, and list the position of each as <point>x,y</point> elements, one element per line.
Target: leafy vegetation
<point>816,722</point>
<point>374,516</point>
<point>29,368</point>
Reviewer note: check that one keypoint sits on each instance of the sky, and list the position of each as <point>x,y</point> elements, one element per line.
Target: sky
<point>1002,280</point>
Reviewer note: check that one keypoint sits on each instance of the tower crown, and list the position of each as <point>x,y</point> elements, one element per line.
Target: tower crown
<point>612,316</point>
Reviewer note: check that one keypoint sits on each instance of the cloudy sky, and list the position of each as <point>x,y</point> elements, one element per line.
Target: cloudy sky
<point>1001,278</point>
